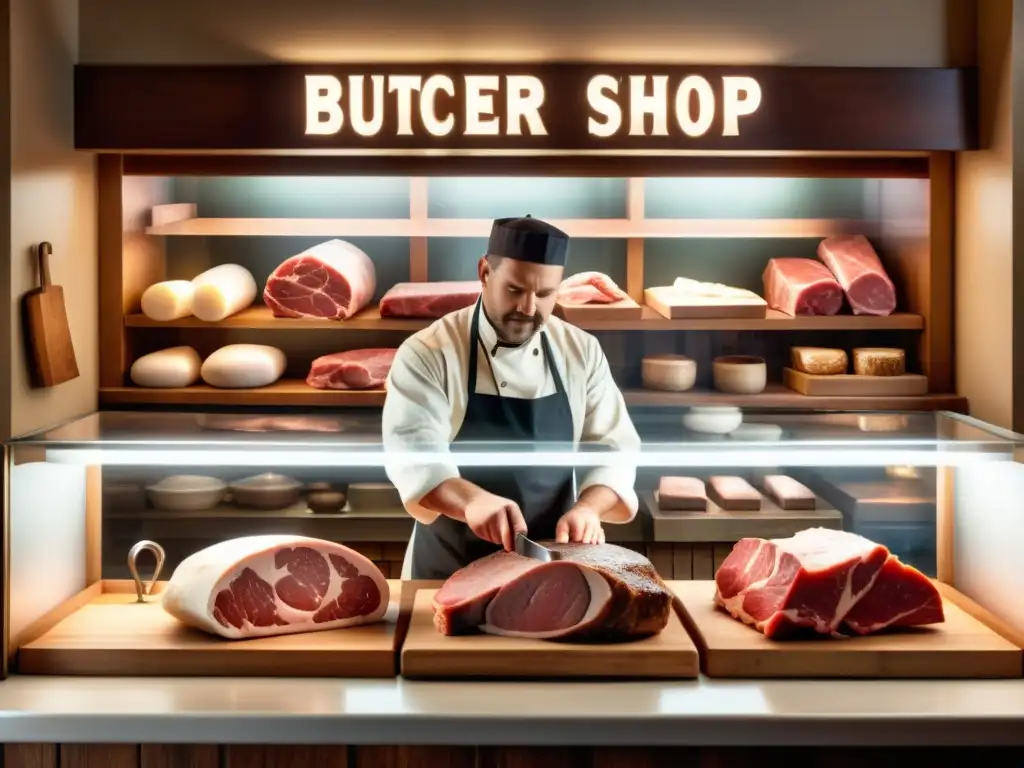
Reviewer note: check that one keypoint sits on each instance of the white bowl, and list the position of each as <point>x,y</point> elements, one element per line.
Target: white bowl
<point>186,493</point>
<point>713,419</point>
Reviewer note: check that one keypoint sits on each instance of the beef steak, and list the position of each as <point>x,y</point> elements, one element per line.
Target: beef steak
<point>429,300</point>
<point>256,586</point>
<point>595,592</point>
<point>860,273</point>
<point>330,281</point>
<point>801,287</point>
<point>353,369</point>
<point>832,582</point>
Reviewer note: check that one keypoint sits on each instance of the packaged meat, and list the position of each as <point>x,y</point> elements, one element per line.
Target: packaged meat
<point>171,367</point>
<point>240,366</point>
<point>595,592</point>
<point>733,493</point>
<point>860,273</point>
<point>801,287</point>
<point>832,582</point>
<point>682,494</point>
<point>879,361</point>
<point>819,361</point>
<point>330,281</point>
<point>222,291</point>
<point>353,369</point>
<point>590,288</point>
<point>168,300</point>
<point>669,373</point>
<point>257,586</point>
<point>789,493</point>
<point>429,300</point>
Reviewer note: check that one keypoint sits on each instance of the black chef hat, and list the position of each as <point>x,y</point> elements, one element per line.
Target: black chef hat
<point>528,239</point>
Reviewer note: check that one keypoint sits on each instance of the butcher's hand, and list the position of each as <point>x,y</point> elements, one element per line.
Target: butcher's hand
<point>495,519</point>
<point>580,524</point>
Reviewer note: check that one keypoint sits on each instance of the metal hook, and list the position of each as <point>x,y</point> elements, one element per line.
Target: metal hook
<point>133,554</point>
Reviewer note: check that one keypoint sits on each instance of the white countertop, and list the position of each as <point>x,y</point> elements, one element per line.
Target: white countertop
<point>334,711</point>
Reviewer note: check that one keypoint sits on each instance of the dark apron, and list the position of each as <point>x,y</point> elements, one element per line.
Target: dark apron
<point>543,494</point>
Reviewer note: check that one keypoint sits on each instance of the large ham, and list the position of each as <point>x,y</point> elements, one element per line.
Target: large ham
<point>860,272</point>
<point>257,586</point>
<point>330,281</point>
<point>801,287</point>
<point>429,300</point>
<point>590,288</point>
<point>596,592</point>
<point>353,369</point>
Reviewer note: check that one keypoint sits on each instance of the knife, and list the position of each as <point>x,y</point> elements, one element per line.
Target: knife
<point>532,549</point>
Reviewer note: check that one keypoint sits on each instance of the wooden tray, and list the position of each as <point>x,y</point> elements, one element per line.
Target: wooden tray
<point>962,647</point>
<point>428,654</point>
<point>718,525</point>
<point>667,302</point>
<point>627,309</point>
<point>103,631</point>
<point>852,385</point>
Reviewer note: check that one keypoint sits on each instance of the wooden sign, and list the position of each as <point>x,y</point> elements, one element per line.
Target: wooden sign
<point>506,109</point>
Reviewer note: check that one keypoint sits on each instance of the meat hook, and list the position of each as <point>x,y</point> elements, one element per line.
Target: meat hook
<point>141,590</point>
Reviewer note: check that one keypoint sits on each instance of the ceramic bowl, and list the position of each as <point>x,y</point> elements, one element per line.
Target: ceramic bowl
<point>186,493</point>
<point>670,373</point>
<point>740,374</point>
<point>713,419</point>
<point>266,491</point>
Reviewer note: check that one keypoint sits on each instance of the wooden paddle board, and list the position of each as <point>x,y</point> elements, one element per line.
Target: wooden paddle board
<point>852,385</point>
<point>427,653</point>
<point>674,304</point>
<point>962,647</point>
<point>46,322</point>
<point>104,631</point>
<point>627,309</point>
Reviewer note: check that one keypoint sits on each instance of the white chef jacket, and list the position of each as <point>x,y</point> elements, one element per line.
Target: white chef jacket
<point>426,399</point>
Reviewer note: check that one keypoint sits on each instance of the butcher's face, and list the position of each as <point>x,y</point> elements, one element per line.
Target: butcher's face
<point>518,296</point>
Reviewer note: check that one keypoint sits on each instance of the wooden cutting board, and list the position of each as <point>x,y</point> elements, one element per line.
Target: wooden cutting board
<point>46,323</point>
<point>852,385</point>
<point>962,647</point>
<point>104,631</point>
<point>627,309</point>
<point>427,653</point>
<point>675,305</point>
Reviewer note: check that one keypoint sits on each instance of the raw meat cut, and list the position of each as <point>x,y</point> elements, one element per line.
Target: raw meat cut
<point>430,300</point>
<point>733,493</point>
<point>832,582</point>
<point>860,273</point>
<point>257,586</point>
<point>330,281</point>
<point>240,423</point>
<point>682,494</point>
<point>595,592</point>
<point>353,369</point>
<point>789,493</point>
<point>801,287</point>
<point>590,288</point>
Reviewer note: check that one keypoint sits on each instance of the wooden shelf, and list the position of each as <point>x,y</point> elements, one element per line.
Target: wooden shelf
<point>260,318</point>
<point>296,393</point>
<point>584,228</point>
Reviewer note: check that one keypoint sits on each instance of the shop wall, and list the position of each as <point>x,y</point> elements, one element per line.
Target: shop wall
<point>52,198</point>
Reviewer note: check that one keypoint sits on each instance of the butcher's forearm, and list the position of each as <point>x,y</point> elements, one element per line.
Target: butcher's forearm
<point>451,498</point>
<point>604,501</point>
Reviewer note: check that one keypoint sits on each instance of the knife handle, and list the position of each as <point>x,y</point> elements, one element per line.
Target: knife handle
<point>43,253</point>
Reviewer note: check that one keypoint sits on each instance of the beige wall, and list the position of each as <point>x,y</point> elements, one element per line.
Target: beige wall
<point>840,32</point>
<point>52,197</point>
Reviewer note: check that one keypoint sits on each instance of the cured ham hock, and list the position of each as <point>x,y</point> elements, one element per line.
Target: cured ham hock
<point>596,592</point>
<point>826,581</point>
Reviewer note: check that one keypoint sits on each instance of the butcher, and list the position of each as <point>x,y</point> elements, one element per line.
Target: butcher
<point>499,372</point>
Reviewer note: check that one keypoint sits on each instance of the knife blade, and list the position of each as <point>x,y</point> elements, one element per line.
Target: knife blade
<point>532,549</point>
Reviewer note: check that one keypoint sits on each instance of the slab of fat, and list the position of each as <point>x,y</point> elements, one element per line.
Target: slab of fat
<point>240,366</point>
<point>222,291</point>
<point>171,367</point>
<point>168,300</point>
<point>193,587</point>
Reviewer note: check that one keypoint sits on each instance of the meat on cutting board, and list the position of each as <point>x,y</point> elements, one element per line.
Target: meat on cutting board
<point>352,369</point>
<point>330,281</point>
<point>860,273</point>
<point>801,287</point>
<point>832,582</point>
<point>257,586</point>
<point>429,300</point>
<point>590,288</point>
<point>596,592</point>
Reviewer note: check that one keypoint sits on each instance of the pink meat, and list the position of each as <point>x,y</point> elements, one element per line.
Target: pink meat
<point>860,273</point>
<point>257,586</point>
<point>354,369</point>
<point>832,582</point>
<point>429,300</point>
<point>590,288</point>
<point>330,281</point>
<point>801,287</point>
